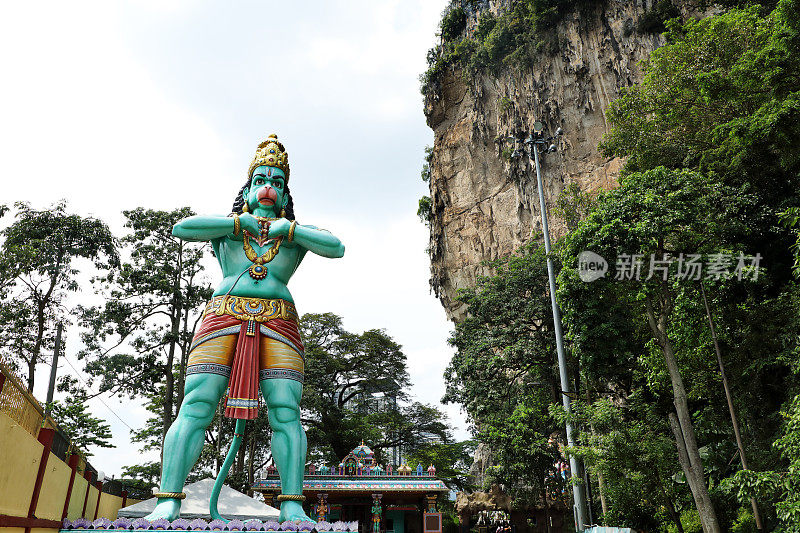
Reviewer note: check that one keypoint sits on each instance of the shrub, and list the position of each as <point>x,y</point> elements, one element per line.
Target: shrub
<point>453,24</point>
<point>512,39</point>
<point>424,209</point>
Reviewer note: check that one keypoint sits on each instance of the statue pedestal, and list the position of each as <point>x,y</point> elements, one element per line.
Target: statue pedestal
<point>232,505</point>
<point>245,514</point>
<point>181,525</point>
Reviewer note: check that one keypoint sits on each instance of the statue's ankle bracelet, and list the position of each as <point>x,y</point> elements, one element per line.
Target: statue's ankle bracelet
<point>291,498</point>
<point>170,495</point>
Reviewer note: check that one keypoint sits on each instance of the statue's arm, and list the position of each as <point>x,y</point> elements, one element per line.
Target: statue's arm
<point>321,242</point>
<point>203,228</point>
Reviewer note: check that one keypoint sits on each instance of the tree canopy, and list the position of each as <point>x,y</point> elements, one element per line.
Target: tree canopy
<point>81,427</point>
<point>504,373</point>
<point>137,341</point>
<point>39,268</point>
<point>708,199</point>
<point>356,388</point>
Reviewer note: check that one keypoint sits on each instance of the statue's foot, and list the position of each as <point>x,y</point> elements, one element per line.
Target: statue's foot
<point>293,512</point>
<point>167,508</point>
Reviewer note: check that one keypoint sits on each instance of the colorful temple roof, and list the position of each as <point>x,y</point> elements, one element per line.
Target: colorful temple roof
<point>358,472</point>
<point>359,484</point>
<point>360,456</point>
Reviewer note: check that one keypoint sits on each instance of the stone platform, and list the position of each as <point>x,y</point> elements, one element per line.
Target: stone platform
<point>198,524</point>
<point>232,504</point>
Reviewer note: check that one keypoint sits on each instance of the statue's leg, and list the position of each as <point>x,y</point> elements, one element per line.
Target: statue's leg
<point>184,440</point>
<point>288,440</point>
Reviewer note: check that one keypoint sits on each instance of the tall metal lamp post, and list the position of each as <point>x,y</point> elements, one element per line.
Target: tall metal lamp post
<point>538,143</point>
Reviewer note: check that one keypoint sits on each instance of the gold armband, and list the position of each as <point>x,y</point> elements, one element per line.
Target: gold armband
<point>290,236</point>
<point>237,226</point>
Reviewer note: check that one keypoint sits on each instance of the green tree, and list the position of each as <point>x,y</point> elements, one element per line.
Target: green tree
<point>789,485</point>
<point>723,97</point>
<point>504,374</point>
<point>355,389</point>
<point>656,214</point>
<point>791,219</point>
<point>425,205</point>
<point>82,429</point>
<point>680,213</point>
<point>626,445</point>
<point>782,487</point>
<point>452,461</point>
<point>39,259</point>
<point>424,210</point>
<point>137,342</point>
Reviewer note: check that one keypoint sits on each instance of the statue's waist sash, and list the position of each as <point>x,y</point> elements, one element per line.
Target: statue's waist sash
<point>246,308</point>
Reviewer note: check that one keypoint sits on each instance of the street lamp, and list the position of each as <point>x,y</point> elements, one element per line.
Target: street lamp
<point>538,143</point>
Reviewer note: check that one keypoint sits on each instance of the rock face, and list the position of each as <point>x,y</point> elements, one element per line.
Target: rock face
<point>485,206</point>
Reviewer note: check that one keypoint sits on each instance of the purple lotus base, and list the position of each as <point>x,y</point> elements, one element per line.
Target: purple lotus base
<point>140,524</point>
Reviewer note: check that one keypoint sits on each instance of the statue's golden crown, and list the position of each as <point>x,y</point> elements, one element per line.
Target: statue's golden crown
<point>272,154</point>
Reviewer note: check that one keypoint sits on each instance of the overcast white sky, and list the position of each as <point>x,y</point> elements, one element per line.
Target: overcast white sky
<point>114,105</point>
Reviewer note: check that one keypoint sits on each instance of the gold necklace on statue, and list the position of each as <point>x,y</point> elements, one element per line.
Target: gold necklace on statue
<point>257,269</point>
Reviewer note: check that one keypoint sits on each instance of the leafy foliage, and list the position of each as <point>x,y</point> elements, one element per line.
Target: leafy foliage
<point>82,429</point>
<point>503,372</point>
<point>452,461</point>
<point>424,210</point>
<point>573,205</point>
<point>39,259</point>
<point>355,390</point>
<point>425,174</point>
<point>453,23</point>
<point>722,96</point>
<point>791,219</point>
<point>630,453</point>
<point>132,341</point>
<point>781,487</point>
<point>425,207</point>
<point>512,39</point>
<point>654,20</point>
<point>679,212</point>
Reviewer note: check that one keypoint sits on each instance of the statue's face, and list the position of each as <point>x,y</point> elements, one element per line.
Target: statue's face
<point>267,191</point>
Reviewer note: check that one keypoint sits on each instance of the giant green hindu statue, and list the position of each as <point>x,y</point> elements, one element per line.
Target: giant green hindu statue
<point>249,337</point>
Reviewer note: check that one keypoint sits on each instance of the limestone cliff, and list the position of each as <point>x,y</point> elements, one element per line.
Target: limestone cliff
<point>484,205</point>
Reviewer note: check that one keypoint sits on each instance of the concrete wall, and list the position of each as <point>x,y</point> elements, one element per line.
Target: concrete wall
<point>20,455</point>
<point>54,489</point>
<point>76,499</point>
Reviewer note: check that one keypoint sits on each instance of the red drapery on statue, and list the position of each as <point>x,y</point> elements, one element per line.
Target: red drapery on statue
<point>243,387</point>
<point>246,360</point>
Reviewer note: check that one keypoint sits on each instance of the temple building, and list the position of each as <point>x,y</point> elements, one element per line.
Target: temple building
<point>358,488</point>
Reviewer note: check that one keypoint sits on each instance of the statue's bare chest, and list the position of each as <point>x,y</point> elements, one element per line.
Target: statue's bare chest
<point>271,259</point>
